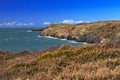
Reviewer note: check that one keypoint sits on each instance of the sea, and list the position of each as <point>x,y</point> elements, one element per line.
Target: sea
<point>18,39</point>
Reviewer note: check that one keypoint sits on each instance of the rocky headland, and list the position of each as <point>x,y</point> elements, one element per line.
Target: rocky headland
<point>96,32</point>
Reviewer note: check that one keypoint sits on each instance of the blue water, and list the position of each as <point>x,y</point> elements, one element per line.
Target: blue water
<point>17,39</point>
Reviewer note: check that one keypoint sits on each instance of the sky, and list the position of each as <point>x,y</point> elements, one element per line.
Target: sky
<point>39,13</point>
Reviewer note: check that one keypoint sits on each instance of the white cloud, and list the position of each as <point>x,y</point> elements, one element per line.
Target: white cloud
<point>88,22</point>
<point>72,22</point>
<point>16,24</point>
<point>8,24</point>
<point>25,24</point>
<point>31,24</point>
<point>46,23</point>
<point>68,21</point>
<point>79,22</point>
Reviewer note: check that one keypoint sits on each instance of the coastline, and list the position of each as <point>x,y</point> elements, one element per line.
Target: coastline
<point>89,61</point>
<point>63,39</point>
<point>94,32</point>
<point>54,37</point>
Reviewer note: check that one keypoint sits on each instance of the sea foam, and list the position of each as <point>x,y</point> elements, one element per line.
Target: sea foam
<point>51,37</point>
<point>63,39</point>
<point>39,36</point>
<point>70,41</point>
<point>73,41</point>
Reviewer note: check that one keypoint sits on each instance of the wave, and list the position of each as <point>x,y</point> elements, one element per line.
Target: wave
<point>11,38</point>
<point>39,36</point>
<point>28,31</point>
<point>73,41</point>
<point>63,39</point>
<point>47,37</point>
<point>84,43</point>
<point>70,41</point>
<point>51,37</point>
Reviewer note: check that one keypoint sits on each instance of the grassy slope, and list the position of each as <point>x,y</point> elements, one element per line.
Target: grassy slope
<point>88,62</point>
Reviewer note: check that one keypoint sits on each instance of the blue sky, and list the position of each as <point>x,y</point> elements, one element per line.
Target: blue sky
<point>21,13</point>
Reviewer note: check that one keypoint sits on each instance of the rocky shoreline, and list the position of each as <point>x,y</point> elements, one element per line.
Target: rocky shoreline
<point>38,29</point>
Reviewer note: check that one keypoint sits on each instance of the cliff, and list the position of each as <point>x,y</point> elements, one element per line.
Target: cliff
<point>95,32</point>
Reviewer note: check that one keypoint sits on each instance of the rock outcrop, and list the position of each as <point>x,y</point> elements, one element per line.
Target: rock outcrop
<point>38,29</point>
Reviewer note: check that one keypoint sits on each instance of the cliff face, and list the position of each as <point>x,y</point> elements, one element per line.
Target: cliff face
<point>89,32</point>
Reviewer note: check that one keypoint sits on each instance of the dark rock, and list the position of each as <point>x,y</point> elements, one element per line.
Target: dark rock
<point>81,38</point>
<point>38,29</point>
<point>92,39</point>
<point>87,38</point>
<point>70,38</point>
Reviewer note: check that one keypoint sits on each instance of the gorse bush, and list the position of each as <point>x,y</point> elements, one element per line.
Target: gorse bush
<point>66,50</point>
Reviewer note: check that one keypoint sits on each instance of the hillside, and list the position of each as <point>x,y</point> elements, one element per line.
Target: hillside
<point>88,62</point>
<point>95,32</point>
<point>100,61</point>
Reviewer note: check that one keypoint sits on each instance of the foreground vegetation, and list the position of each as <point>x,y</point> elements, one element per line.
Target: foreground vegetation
<point>100,61</point>
<point>88,62</point>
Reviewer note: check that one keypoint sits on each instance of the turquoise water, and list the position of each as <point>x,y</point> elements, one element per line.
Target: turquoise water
<point>16,39</point>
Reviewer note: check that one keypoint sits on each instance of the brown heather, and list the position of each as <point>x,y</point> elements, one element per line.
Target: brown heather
<point>99,61</point>
<point>87,62</point>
